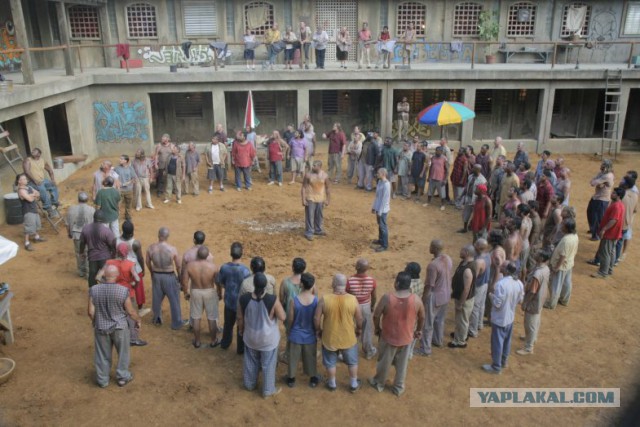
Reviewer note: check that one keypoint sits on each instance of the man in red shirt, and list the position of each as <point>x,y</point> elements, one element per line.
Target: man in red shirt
<point>242,155</point>
<point>610,232</point>
<point>337,150</point>
<point>480,222</point>
<point>544,194</point>
<point>363,287</point>
<point>438,174</point>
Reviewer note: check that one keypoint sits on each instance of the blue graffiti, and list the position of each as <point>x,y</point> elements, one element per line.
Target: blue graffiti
<point>121,121</point>
<point>435,52</point>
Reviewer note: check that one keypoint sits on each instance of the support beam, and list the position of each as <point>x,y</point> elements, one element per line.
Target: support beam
<point>466,136</point>
<point>623,104</point>
<point>37,131</point>
<point>545,115</point>
<point>303,104</point>
<point>386,111</point>
<point>105,28</point>
<point>63,25</point>
<point>23,42</point>
<point>219,111</point>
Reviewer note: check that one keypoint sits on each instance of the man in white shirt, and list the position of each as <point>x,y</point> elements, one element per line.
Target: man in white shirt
<point>216,157</point>
<point>508,293</point>
<point>381,207</point>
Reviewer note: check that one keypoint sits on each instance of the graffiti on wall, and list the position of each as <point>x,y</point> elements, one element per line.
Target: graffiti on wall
<point>437,52</point>
<point>174,54</point>
<point>8,41</point>
<point>121,121</point>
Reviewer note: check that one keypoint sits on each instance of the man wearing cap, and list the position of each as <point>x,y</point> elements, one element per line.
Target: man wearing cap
<point>77,217</point>
<point>128,278</point>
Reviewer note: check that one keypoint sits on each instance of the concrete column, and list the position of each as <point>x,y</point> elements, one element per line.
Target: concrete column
<point>545,115</point>
<point>105,28</point>
<point>386,111</point>
<point>469,99</point>
<point>624,103</point>
<point>37,131</point>
<point>219,110</point>
<point>23,41</point>
<point>63,25</point>
<point>303,104</point>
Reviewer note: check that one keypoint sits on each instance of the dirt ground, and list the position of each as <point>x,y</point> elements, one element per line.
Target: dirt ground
<point>591,343</point>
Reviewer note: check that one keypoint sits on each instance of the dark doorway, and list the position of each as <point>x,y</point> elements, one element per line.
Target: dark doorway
<point>348,107</point>
<point>631,132</point>
<point>185,116</point>
<point>58,130</point>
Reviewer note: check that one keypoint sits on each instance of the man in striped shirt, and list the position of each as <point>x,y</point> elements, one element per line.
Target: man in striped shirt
<point>363,287</point>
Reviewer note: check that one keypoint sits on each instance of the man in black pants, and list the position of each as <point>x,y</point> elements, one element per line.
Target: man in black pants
<point>230,278</point>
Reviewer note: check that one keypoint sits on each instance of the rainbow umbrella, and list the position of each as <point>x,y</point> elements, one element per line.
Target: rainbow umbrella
<point>445,113</point>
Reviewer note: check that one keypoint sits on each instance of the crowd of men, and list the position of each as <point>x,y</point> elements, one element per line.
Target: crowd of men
<point>523,242</point>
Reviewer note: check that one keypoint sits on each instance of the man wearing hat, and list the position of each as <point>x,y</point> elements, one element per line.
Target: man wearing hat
<point>77,217</point>
<point>480,222</point>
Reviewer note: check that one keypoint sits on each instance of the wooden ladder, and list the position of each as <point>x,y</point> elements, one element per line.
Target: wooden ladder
<point>611,122</point>
<point>9,150</point>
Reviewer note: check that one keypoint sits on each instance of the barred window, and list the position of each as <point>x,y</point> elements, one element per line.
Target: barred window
<point>631,25</point>
<point>188,106</point>
<point>141,21</point>
<point>465,19</point>
<point>264,103</point>
<point>411,12</point>
<point>258,17</point>
<point>564,32</point>
<point>521,20</point>
<point>84,22</point>
<point>200,19</point>
<point>484,101</point>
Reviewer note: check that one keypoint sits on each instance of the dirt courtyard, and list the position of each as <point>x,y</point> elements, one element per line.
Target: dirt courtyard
<point>591,343</point>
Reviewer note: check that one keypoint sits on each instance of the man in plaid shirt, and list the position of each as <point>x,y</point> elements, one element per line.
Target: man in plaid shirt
<point>109,306</point>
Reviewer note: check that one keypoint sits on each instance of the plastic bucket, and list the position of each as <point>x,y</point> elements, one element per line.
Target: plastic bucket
<point>58,163</point>
<point>13,208</point>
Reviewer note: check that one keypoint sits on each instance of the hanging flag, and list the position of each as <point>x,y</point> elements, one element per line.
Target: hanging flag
<point>250,118</point>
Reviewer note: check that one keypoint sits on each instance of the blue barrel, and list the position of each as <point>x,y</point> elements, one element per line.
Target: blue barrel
<point>13,208</point>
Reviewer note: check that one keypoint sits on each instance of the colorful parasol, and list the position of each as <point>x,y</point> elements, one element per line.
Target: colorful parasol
<point>445,113</point>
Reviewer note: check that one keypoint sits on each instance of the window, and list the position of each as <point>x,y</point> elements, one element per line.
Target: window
<point>258,17</point>
<point>565,32</point>
<point>411,13</point>
<point>632,20</point>
<point>521,21</point>
<point>484,101</point>
<point>53,21</point>
<point>188,106</point>
<point>141,21</point>
<point>84,22</point>
<point>200,19</point>
<point>465,19</point>
<point>265,103</point>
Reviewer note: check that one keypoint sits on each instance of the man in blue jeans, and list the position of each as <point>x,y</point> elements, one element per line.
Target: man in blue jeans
<point>230,277</point>
<point>508,293</point>
<point>381,207</point>
<point>36,168</point>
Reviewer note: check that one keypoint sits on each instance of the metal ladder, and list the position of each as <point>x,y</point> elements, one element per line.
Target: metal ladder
<point>611,122</point>
<point>10,151</point>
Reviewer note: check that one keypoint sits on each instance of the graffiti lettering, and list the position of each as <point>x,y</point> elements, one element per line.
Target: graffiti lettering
<point>436,52</point>
<point>121,121</point>
<point>8,41</point>
<point>173,54</point>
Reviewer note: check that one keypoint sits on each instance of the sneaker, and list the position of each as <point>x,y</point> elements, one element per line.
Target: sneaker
<point>123,382</point>
<point>239,189</point>
<point>151,207</point>
<point>593,262</point>
<point>372,382</point>
<point>222,189</point>
<point>138,343</point>
<point>381,249</point>
<point>314,381</point>
<point>165,201</point>
<point>490,369</point>
<point>271,183</point>
<point>456,345</point>
<point>291,382</point>
<point>524,352</point>
<point>179,202</point>
<point>355,388</point>
<point>138,209</point>
<point>329,387</point>
<point>144,311</point>
<point>441,208</point>
<point>249,189</point>
<point>279,184</point>
<point>279,389</point>
<point>210,190</point>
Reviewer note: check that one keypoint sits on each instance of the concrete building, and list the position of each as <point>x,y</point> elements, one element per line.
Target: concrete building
<point>71,94</point>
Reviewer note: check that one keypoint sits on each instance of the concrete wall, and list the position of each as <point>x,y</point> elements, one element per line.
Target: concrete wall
<point>181,129</point>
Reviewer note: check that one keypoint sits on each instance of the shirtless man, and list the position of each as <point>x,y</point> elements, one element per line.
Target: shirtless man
<point>552,221</point>
<point>203,292</point>
<point>161,156</point>
<point>513,242</point>
<point>191,255</point>
<point>162,262</point>
<point>498,257</point>
<point>403,108</point>
<point>524,212</point>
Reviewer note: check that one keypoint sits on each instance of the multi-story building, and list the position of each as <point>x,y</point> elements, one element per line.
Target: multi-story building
<point>72,94</point>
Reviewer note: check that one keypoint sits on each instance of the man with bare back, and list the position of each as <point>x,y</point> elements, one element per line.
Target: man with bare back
<point>498,257</point>
<point>162,262</point>
<point>513,242</point>
<point>202,292</point>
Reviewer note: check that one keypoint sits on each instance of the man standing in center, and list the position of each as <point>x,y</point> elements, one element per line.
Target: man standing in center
<point>338,321</point>
<point>128,179</point>
<point>315,196</point>
<point>216,158</point>
<point>242,155</point>
<point>437,292</point>
<point>175,175</point>
<point>100,243</point>
<point>161,155</point>
<point>363,287</point>
<point>203,293</point>
<point>381,207</point>
<point>337,150</point>
<point>403,108</point>
<point>162,262</point>
<point>402,316</point>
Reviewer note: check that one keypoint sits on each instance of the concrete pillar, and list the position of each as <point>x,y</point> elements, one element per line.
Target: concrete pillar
<point>469,99</point>
<point>545,115</point>
<point>303,104</point>
<point>105,28</point>
<point>386,110</point>
<point>219,110</point>
<point>37,131</point>
<point>23,41</point>
<point>63,25</point>
<point>625,92</point>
